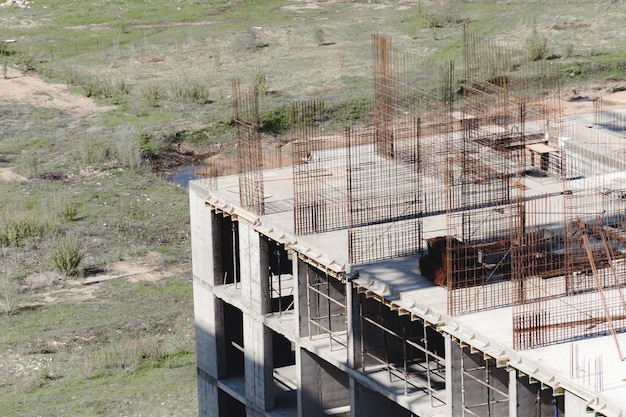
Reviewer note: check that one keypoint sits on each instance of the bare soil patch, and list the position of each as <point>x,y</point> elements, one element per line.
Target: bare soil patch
<point>47,288</point>
<point>579,100</point>
<point>36,92</point>
<point>8,175</point>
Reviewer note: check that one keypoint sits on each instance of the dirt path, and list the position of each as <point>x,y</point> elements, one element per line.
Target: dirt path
<point>579,100</point>
<point>27,89</point>
<point>7,175</point>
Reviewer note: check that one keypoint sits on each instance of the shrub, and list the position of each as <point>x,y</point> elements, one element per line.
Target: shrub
<point>536,46</point>
<point>94,86</point>
<point>30,164</point>
<point>188,90</point>
<point>18,224</point>
<point>319,35</point>
<point>248,41</point>
<point>10,295</point>
<point>66,255</point>
<point>94,150</point>
<point>151,95</point>
<point>69,211</point>
<point>259,80</point>
<point>127,147</point>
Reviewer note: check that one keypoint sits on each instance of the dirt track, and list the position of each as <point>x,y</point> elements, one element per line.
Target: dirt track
<point>27,89</point>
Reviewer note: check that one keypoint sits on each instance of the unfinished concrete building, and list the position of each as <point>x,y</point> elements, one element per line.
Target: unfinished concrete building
<point>461,254</point>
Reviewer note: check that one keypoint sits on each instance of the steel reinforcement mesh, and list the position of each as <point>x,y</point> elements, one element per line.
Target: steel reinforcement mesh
<point>249,152</point>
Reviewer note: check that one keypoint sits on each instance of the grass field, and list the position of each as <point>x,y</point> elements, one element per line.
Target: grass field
<point>124,345</point>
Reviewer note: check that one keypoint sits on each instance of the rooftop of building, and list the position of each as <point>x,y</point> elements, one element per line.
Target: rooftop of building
<point>587,366</point>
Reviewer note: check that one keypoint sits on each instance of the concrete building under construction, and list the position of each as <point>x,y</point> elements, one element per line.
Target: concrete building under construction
<point>460,253</point>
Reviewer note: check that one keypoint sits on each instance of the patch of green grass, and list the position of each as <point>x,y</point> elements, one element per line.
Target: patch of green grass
<point>123,313</point>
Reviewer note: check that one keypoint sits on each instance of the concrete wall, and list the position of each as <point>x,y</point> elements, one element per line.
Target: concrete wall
<point>368,403</point>
<point>574,406</point>
<point>202,239</point>
<point>533,401</point>
<point>321,387</point>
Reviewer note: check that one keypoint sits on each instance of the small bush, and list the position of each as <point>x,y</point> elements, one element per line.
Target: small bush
<point>127,147</point>
<point>319,35</point>
<point>94,86</point>
<point>66,255</point>
<point>188,90</point>
<point>19,224</point>
<point>276,121</point>
<point>151,146</point>
<point>30,164</point>
<point>10,294</point>
<point>259,80</point>
<point>94,151</point>
<point>151,95</point>
<point>536,46</point>
<point>69,211</point>
<point>249,41</point>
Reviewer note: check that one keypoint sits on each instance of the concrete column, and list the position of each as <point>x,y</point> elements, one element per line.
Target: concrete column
<point>297,308</point>
<point>512,393</point>
<point>207,395</point>
<point>202,228</point>
<point>258,363</point>
<point>254,269</point>
<point>302,300</point>
<point>209,320</point>
<point>354,327</point>
<point>453,377</point>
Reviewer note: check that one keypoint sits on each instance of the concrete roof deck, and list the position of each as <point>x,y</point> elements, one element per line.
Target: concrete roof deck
<point>399,282</point>
<point>490,331</point>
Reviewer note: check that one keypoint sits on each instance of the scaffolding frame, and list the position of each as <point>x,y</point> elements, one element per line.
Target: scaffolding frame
<point>326,308</point>
<point>417,376</point>
<point>494,395</point>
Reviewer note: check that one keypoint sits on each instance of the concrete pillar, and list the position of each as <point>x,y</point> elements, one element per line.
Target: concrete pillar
<point>321,386</point>
<point>258,363</point>
<point>254,269</point>
<point>207,394</point>
<point>201,224</point>
<point>302,301</point>
<point>354,327</point>
<point>453,377</point>
<point>297,308</point>
<point>210,357</point>
<point>512,393</point>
